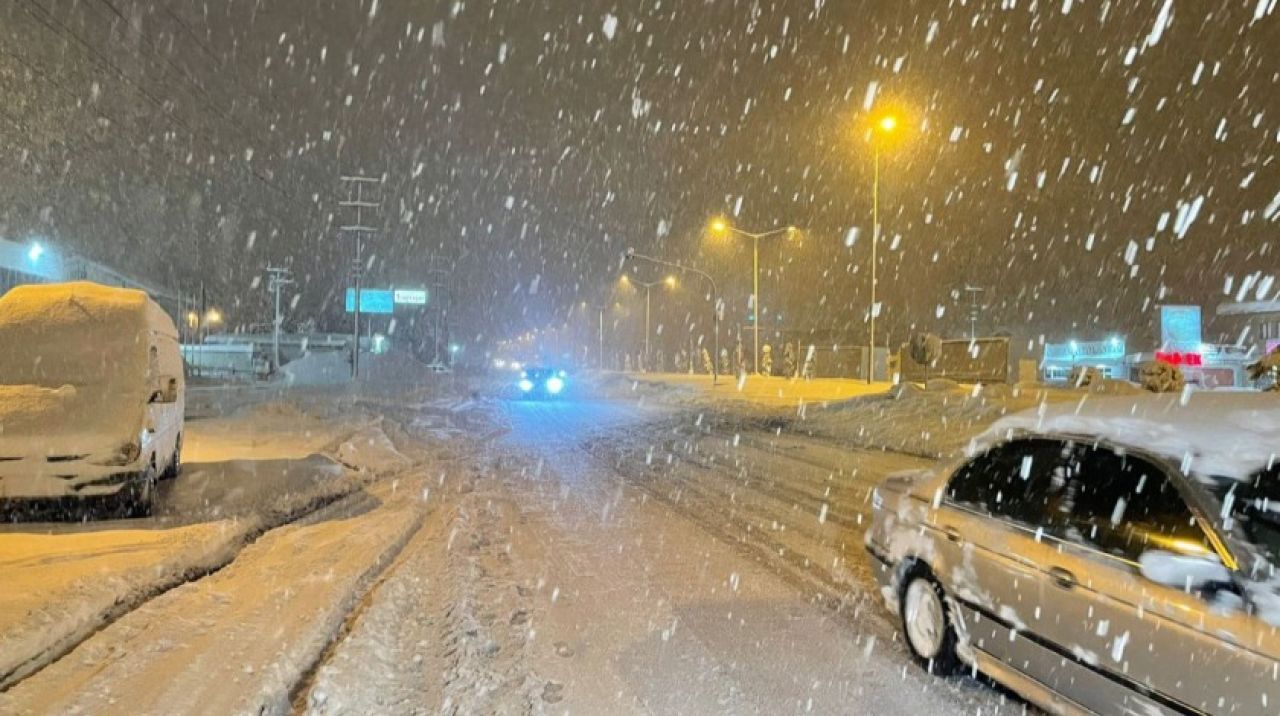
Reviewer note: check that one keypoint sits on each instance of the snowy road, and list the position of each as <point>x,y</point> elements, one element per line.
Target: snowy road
<point>580,556</point>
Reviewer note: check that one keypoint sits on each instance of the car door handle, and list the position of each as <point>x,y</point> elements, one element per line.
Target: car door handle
<point>952,534</point>
<point>1062,578</point>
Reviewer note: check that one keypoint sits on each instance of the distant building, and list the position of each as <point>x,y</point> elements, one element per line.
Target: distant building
<point>1107,356</point>
<point>38,262</point>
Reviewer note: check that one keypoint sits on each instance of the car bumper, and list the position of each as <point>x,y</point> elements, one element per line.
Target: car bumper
<point>101,482</point>
<point>885,573</point>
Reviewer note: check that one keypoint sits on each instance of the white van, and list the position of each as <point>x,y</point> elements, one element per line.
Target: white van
<point>91,394</point>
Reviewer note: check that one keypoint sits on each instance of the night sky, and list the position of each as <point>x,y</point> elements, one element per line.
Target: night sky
<point>1082,160</point>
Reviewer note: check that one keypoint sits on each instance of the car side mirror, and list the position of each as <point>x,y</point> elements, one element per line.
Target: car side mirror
<point>168,392</point>
<point>1181,571</point>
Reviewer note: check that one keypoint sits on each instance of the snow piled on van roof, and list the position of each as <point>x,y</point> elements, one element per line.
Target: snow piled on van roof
<point>56,304</point>
<point>1224,434</point>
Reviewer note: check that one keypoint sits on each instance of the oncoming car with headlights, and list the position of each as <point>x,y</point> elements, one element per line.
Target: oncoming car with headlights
<point>542,382</point>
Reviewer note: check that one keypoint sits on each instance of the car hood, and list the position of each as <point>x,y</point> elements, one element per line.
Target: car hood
<point>918,482</point>
<point>42,421</point>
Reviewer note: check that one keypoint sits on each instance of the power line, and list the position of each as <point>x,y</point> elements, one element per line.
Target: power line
<point>57,27</point>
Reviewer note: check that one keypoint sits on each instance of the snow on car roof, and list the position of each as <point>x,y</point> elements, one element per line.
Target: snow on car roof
<point>1208,433</point>
<point>49,305</point>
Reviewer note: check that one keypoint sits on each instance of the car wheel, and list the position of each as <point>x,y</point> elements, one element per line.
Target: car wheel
<point>926,622</point>
<point>175,464</point>
<point>137,498</point>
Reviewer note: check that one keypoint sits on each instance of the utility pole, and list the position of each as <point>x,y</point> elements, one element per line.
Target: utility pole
<point>974,308</point>
<point>278,279</point>
<point>356,200</point>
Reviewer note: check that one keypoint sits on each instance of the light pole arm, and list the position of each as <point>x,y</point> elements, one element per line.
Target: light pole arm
<point>679,267</point>
<point>715,304</point>
<point>763,235</point>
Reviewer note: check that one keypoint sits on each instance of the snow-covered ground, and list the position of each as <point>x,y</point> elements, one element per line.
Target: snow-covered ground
<point>377,550</point>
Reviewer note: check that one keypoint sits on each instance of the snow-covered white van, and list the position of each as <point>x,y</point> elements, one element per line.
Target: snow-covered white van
<point>91,394</point>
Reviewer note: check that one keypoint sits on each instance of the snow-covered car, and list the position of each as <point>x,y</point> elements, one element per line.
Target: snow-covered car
<point>91,394</point>
<point>1115,556</point>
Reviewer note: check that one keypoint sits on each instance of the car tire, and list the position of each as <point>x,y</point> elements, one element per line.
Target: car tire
<point>138,497</point>
<point>926,623</point>
<point>175,463</point>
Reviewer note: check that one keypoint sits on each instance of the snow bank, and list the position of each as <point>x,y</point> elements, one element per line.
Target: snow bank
<point>928,423</point>
<point>333,368</point>
<point>46,610</point>
<point>1226,434</point>
<point>370,450</point>
<point>330,368</point>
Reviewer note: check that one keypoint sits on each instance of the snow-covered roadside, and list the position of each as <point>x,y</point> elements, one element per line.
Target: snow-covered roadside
<point>238,640</point>
<point>60,588</point>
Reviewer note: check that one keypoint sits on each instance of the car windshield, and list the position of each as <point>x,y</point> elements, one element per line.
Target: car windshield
<point>1251,508</point>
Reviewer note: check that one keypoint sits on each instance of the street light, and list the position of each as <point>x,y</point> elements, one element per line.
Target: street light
<point>881,129</point>
<point>721,227</point>
<point>715,302</point>
<point>669,281</point>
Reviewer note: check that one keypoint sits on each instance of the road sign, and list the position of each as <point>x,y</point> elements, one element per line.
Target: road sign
<point>371,301</point>
<point>1180,327</point>
<point>410,297</point>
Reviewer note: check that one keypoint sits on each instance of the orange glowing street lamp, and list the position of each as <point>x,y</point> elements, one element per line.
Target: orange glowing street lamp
<point>881,128</point>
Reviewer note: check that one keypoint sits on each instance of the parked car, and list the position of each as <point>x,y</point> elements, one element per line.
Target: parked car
<point>91,394</point>
<point>1116,556</point>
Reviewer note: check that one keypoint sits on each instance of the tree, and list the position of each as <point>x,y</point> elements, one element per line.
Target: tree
<point>707,365</point>
<point>1083,376</point>
<point>1161,377</point>
<point>1267,367</point>
<point>789,359</point>
<point>925,348</point>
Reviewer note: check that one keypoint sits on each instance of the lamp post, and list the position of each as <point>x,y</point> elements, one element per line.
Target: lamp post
<point>720,226</point>
<point>648,289</point>
<point>716,308</point>
<point>883,127</point>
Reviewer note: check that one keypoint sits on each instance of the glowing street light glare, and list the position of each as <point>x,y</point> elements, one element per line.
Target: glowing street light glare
<point>719,226</point>
<point>35,252</point>
<point>670,281</point>
<point>888,123</point>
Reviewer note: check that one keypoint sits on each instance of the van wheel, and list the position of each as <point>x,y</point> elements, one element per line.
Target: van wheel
<point>175,464</point>
<point>138,497</point>
<point>926,623</point>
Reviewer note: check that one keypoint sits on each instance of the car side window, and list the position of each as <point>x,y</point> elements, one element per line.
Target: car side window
<point>1010,480</point>
<point>1122,505</point>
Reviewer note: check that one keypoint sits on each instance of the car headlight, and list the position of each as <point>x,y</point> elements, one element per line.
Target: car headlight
<point>525,384</point>
<point>555,384</point>
<point>124,455</point>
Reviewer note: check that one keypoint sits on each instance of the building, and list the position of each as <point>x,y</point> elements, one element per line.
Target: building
<point>1107,356</point>
<point>38,262</point>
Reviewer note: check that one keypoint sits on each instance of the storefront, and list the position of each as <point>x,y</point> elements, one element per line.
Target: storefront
<point>1107,356</point>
